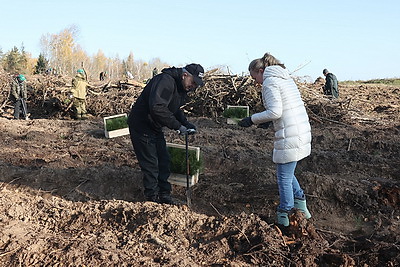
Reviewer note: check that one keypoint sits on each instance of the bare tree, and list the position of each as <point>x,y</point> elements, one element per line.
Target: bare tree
<point>63,53</point>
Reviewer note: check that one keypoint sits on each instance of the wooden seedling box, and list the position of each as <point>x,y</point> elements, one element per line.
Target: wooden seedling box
<point>236,119</point>
<point>115,132</point>
<point>180,178</point>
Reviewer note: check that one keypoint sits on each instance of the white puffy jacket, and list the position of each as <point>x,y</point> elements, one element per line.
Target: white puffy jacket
<point>285,108</point>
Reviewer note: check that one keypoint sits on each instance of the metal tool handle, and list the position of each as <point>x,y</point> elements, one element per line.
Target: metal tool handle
<point>188,190</point>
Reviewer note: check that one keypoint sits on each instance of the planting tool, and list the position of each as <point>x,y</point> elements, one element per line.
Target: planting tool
<point>24,108</point>
<point>188,189</point>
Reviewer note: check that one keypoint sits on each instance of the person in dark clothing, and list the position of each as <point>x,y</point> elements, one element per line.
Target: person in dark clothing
<point>155,72</point>
<point>331,84</point>
<point>158,106</point>
<point>18,96</point>
<point>103,75</point>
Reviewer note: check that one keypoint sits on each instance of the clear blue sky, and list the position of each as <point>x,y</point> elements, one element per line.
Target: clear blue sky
<point>356,40</point>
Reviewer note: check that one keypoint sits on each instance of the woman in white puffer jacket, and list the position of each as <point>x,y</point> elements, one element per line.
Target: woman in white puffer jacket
<point>285,108</point>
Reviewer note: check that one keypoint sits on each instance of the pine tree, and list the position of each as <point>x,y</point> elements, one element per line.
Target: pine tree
<point>41,65</point>
<point>23,60</point>
<point>13,61</point>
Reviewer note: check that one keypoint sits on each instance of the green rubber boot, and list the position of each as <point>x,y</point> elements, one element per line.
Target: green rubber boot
<point>283,218</point>
<point>302,206</point>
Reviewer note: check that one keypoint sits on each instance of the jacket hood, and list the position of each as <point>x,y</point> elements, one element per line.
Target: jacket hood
<point>176,73</point>
<point>276,71</point>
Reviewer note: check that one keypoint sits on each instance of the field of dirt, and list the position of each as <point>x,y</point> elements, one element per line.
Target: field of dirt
<point>71,197</point>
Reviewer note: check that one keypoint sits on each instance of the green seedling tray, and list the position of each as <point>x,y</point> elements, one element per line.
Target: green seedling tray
<point>116,125</point>
<point>178,172</point>
<point>235,113</point>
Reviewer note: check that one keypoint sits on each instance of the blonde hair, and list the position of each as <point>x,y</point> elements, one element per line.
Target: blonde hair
<point>265,61</point>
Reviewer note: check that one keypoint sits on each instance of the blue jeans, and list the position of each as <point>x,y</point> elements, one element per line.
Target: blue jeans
<point>289,187</point>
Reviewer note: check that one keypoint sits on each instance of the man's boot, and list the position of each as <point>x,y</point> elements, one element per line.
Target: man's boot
<point>302,206</point>
<point>166,199</point>
<point>152,198</point>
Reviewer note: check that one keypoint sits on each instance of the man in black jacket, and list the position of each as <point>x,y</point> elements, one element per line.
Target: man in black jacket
<point>158,106</point>
<point>331,84</point>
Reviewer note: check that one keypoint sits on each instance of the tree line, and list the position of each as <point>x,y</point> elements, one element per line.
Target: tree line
<point>62,55</point>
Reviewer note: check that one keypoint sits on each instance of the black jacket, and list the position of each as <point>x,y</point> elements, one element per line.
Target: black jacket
<point>159,104</point>
<point>331,85</point>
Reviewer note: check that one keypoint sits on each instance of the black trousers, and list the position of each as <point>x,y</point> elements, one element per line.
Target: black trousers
<point>20,108</point>
<point>151,152</point>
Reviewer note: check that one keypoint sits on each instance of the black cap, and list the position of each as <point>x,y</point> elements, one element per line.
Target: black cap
<point>197,71</point>
<point>325,71</point>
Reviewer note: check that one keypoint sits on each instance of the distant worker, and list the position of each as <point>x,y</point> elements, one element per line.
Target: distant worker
<point>19,96</point>
<point>129,75</point>
<point>331,84</point>
<point>79,91</point>
<point>155,72</point>
<point>103,75</point>
<point>159,106</point>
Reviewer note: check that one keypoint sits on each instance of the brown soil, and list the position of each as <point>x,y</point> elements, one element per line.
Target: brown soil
<point>70,197</point>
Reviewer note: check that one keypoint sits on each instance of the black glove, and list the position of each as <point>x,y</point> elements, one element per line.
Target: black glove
<point>264,125</point>
<point>191,131</point>
<point>246,122</point>
<point>182,130</point>
<point>190,126</point>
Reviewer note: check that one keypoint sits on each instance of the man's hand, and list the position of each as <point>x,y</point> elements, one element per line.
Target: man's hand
<point>190,125</point>
<point>182,130</point>
<point>191,131</point>
<point>246,122</point>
